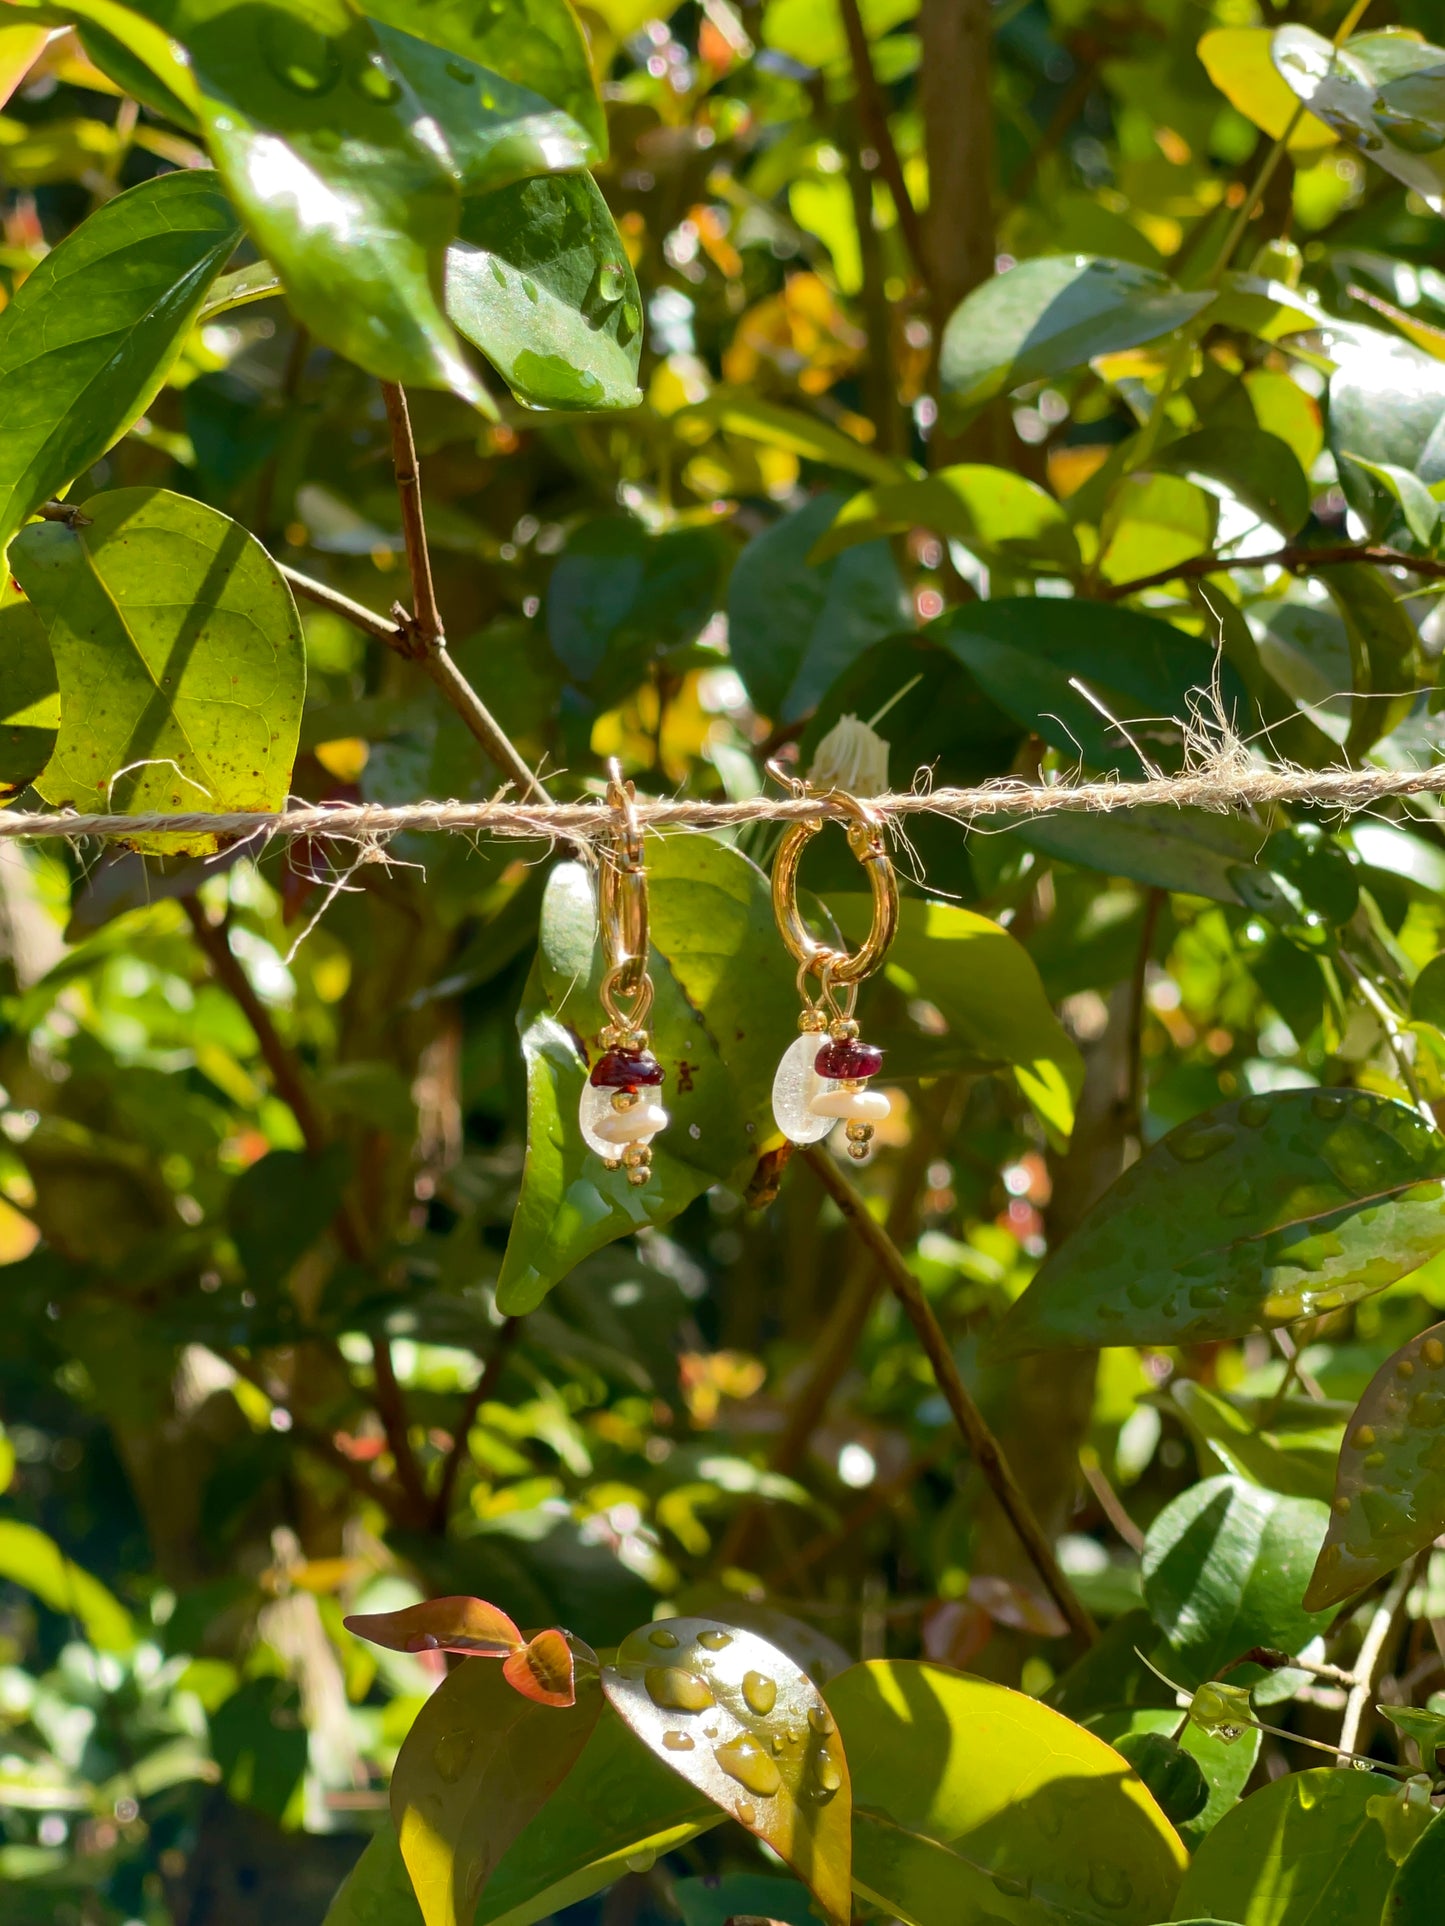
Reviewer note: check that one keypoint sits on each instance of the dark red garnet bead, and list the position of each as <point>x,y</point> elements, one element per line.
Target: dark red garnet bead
<point>848,1061</point>
<point>625,1070</point>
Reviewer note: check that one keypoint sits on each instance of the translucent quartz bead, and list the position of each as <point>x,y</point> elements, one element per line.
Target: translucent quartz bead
<point>608,1131</point>
<point>795,1086</point>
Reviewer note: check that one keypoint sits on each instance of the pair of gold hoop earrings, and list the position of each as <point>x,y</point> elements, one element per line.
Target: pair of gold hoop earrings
<point>825,1072</point>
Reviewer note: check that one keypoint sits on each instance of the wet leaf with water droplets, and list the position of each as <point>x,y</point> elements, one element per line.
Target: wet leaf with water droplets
<point>1381,93</point>
<point>478,1765</point>
<point>1224,1569</point>
<point>779,1771</point>
<point>1389,1498</point>
<point>972,1801</point>
<point>1277,1207</point>
<point>1311,1847</point>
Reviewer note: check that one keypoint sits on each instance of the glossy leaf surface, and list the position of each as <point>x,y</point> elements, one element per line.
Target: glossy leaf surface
<point>539,280</point>
<point>733,1716</point>
<point>617,1807</point>
<point>1192,850</point>
<point>1414,1895</point>
<point>463,1625</point>
<point>29,700</point>
<point>179,656</point>
<point>1293,1452</point>
<point>1387,404</point>
<point>1312,1846</point>
<point>988,509</point>
<point>1225,1767</point>
<point>478,1765</point>
<point>1279,1206</point>
<point>1051,314</point>
<point>340,171</point>
<point>796,623</point>
<point>1027,652</point>
<point>1381,93</point>
<point>1224,1569</point>
<point>1239,61</point>
<point>725,1011</point>
<point>1257,469</point>
<point>973,1799</point>
<point>90,335</point>
<point>984,984</point>
<point>1389,1497</point>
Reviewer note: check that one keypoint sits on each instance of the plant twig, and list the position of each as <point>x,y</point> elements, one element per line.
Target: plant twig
<point>987,1452</point>
<point>873,116</point>
<point>1295,555</point>
<point>425,622</point>
<point>1372,1650</point>
<point>485,1385</point>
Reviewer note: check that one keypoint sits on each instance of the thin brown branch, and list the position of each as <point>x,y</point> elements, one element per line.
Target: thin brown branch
<point>1372,1656</point>
<point>1109,1502</point>
<point>425,622</point>
<point>384,628</point>
<point>1295,555</point>
<point>985,1448</point>
<point>873,117</point>
<point>290,1082</point>
<point>485,1385</point>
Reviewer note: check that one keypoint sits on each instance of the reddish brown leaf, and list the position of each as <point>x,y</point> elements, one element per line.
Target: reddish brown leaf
<point>543,1670</point>
<point>467,1625</point>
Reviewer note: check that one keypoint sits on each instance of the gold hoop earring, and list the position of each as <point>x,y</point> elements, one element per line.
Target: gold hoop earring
<point>619,1113</point>
<point>820,1083</point>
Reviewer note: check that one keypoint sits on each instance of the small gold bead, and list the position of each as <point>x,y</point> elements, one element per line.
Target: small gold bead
<point>637,1157</point>
<point>638,1177</point>
<point>626,1099</point>
<point>612,1163</point>
<point>854,1084</point>
<point>812,1023</point>
<point>860,1133</point>
<point>858,1152</point>
<point>843,1029</point>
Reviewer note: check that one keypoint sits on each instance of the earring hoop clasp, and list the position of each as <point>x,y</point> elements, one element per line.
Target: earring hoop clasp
<point>622,911</point>
<point>865,839</point>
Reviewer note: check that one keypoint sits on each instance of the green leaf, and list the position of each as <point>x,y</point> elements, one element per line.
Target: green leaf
<point>1384,650</point>
<point>28,696</point>
<point>180,660</point>
<point>1028,651</point>
<point>1312,1846</point>
<point>1427,994</point>
<point>281,1204</point>
<point>984,984</point>
<point>990,510</point>
<point>736,412</point>
<point>725,1011</point>
<point>133,52</point>
<point>1224,1569</point>
<point>617,1807</point>
<point>377,1891</point>
<point>1387,405</point>
<point>90,335</point>
<point>534,44</point>
<point>1416,504</point>
<point>1237,60</point>
<point>713,1901</point>
<point>1172,1776</point>
<point>539,280</point>
<point>735,1718</point>
<point>1257,469</point>
<point>619,598</point>
<point>1427,1729</point>
<point>1390,1484</point>
<point>974,1802</point>
<point>1294,1457</point>
<point>1192,850</point>
<point>794,624</point>
<point>259,1742</point>
<point>1048,315</point>
<point>1154,522</point>
<point>1414,1895</point>
<point>1226,1767</point>
<point>1383,93</point>
<point>1278,1207</point>
<point>34,1562</point>
<point>479,1764</point>
<point>345,177</point>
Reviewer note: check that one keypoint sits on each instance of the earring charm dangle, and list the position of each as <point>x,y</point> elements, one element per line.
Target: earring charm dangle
<point>824,1074</point>
<point>619,1114</point>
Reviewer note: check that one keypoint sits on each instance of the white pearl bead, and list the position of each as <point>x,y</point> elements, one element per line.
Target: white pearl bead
<point>857,1106</point>
<point>631,1126</point>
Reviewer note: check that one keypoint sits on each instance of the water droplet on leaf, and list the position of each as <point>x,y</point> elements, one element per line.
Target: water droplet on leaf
<point>451,1754</point>
<point>760,1693</point>
<point>744,1759</point>
<point>714,1641</point>
<point>677,1690</point>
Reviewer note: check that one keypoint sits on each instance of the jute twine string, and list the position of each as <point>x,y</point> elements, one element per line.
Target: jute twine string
<point>1220,790</point>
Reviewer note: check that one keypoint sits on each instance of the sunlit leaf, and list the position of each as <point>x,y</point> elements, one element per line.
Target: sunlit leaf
<point>1389,1498</point>
<point>1309,1847</point>
<point>974,1799</point>
<point>1414,1895</point>
<point>1238,61</point>
<point>478,1765</point>
<point>736,1718</point>
<point>1258,470</point>
<point>740,413</point>
<point>32,1560</point>
<point>1292,1454</point>
<point>988,509</point>
<point>1051,314</point>
<point>1279,1206</point>
<point>464,1625</point>
<point>29,700</point>
<point>89,337</point>
<point>1224,1570</point>
<point>180,659</point>
<point>1383,93</point>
